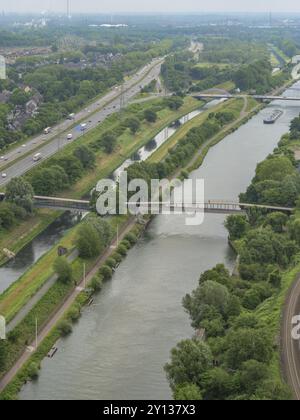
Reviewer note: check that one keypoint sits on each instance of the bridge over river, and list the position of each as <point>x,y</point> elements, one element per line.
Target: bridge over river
<point>210,206</point>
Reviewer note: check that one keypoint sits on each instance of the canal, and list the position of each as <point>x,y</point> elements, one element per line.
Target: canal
<point>119,347</point>
<point>31,253</point>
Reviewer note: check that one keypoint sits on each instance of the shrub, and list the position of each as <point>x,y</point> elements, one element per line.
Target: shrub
<point>122,250</point>
<point>118,257</point>
<point>111,262</point>
<point>74,314</point>
<point>63,270</point>
<point>127,244</point>
<point>106,272</point>
<point>65,328</point>
<point>131,237</point>
<point>96,283</point>
<point>33,371</point>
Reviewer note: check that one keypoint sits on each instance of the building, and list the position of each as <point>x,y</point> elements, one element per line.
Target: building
<point>296,59</point>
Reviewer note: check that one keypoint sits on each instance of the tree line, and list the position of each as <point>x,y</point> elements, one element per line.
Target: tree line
<point>232,354</point>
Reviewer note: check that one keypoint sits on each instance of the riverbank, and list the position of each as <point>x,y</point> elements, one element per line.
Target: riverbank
<point>229,105</point>
<point>23,234</point>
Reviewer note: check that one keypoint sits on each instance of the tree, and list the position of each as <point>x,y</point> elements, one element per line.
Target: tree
<point>189,361</point>
<point>63,270</point>
<point>150,116</point>
<point>275,168</point>
<point>217,384</point>
<point>251,375</point>
<point>187,392</point>
<point>88,241</point>
<point>72,167</point>
<point>3,354</point>
<point>133,123</point>
<point>175,102</point>
<point>277,221</point>
<point>106,272</point>
<point>86,156</point>
<point>273,390</point>
<point>248,344</point>
<point>210,298</point>
<point>109,142</point>
<point>48,181</point>
<point>237,226</point>
<point>20,192</point>
<point>7,217</point>
<point>294,230</point>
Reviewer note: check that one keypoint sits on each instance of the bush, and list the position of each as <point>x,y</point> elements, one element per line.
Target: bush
<point>33,371</point>
<point>118,257</point>
<point>122,250</point>
<point>127,244</point>
<point>97,283</point>
<point>131,237</point>
<point>63,270</point>
<point>74,314</point>
<point>111,262</point>
<point>106,272</point>
<point>65,328</point>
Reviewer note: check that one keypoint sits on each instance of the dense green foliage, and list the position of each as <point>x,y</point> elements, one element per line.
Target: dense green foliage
<point>242,345</point>
<point>94,235</point>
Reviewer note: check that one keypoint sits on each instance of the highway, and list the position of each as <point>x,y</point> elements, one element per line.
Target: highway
<point>13,164</point>
<point>291,347</point>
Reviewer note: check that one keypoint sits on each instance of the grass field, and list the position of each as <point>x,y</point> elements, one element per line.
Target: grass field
<point>16,238</point>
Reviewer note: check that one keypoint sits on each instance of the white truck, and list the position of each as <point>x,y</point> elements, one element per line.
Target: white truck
<point>47,130</point>
<point>37,157</point>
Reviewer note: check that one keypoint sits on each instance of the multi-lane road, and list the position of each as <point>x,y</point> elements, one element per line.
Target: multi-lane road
<point>20,160</point>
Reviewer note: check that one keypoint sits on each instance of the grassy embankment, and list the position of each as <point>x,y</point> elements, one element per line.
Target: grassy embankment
<point>16,238</point>
<point>13,299</point>
<point>234,105</point>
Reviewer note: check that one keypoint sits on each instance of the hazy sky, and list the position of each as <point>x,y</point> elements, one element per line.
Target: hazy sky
<point>152,5</point>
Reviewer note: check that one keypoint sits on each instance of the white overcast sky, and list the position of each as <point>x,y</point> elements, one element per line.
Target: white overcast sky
<point>152,5</point>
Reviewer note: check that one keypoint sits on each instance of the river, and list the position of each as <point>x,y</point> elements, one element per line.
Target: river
<point>119,347</point>
<point>30,254</point>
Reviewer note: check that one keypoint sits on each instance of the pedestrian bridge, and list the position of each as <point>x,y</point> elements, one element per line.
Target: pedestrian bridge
<point>237,96</point>
<point>210,206</point>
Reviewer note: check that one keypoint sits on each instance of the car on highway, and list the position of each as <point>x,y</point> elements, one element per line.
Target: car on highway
<point>69,136</point>
<point>4,175</point>
<point>47,130</point>
<point>37,157</point>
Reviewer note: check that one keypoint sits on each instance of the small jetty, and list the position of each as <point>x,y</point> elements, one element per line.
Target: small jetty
<point>52,352</point>
<point>9,254</point>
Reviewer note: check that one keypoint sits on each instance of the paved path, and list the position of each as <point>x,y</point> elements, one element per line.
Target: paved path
<point>44,332</point>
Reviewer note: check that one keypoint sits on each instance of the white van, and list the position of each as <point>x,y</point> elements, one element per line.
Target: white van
<point>37,157</point>
<point>70,136</point>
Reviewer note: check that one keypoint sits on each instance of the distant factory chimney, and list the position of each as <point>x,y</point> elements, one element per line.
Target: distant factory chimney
<point>69,9</point>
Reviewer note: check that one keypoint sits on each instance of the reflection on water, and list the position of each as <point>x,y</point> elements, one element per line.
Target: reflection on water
<point>119,348</point>
<point>11,271</point>
<point>145,152</point>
